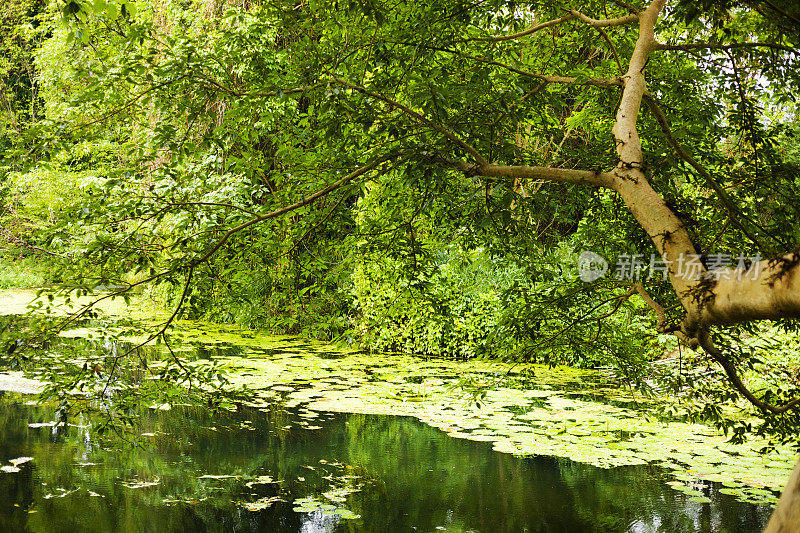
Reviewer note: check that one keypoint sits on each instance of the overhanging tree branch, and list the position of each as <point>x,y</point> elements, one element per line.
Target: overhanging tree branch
<point>564,175</point>
<point>417,116</point>
<point>734,213</point>
<point>267,94</point>
<point>293,207</point>
<point>524,33</point>
<point>132,101</point>
<point>547,78</point>
<point>11,237</point>
<point>783,12</point>
<point>605,23</point>
<point>611,46</point>
<point>572,15</point>
<point>731,46</point>
<point>704,339</point>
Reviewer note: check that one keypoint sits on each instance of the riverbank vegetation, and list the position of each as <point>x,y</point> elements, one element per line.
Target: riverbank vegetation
<point>603,185</point>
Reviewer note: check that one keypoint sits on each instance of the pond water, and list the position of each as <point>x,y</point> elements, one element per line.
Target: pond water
<point>263,470</point>
<point>342,441</point>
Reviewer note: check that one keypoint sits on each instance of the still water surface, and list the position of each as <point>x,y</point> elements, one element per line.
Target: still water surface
<point>395,473</point>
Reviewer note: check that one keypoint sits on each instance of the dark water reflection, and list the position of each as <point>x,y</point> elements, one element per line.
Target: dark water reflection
<point>411,477</point>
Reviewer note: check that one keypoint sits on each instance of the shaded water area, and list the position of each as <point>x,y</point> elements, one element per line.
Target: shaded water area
<point>263,470</point>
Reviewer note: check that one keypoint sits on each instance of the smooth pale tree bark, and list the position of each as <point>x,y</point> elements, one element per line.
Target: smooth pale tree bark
<point>786,517</point>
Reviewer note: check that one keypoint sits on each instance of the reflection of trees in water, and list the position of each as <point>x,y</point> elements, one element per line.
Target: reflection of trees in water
<point>640,503</point>
<point>318,522</point>
<point>408,474</point>
<point>442,481</point>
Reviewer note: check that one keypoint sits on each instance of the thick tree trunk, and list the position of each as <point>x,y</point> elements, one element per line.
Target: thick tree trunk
<point>769,290</point>
<point>786,517</point>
